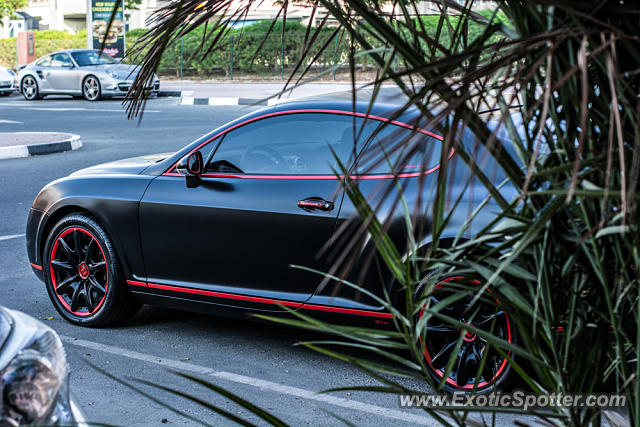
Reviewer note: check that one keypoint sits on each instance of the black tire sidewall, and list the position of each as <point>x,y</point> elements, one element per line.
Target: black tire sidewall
<point>503,382</point>
<point>115,283</point>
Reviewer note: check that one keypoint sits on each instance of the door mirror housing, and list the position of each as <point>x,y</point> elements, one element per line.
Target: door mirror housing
<point>194,163</point>
<point>192,167</point>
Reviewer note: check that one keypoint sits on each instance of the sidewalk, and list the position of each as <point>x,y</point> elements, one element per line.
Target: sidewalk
<point>24,144</point>
<point>234,93</point>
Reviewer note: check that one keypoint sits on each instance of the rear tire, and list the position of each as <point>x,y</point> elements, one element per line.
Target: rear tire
<point>441,339</point>
<point>83,275</point>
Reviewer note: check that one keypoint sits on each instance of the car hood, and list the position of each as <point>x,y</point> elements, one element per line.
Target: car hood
<point>134,165</point>
<point>124,71</point>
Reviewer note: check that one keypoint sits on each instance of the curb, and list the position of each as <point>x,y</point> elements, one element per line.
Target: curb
<point>18,151</point>
<point>175,93</point>
<point>187,98</point>
<point>190,100</point>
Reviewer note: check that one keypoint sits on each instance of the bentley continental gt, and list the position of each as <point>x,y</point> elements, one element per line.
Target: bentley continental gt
<point>216,226</point>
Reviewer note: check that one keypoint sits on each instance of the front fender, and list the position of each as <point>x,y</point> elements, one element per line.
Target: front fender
<point>112,200</point>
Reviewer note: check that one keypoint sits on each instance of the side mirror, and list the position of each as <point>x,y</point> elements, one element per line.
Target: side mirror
<point>194,163</point>
<point>191,167</point>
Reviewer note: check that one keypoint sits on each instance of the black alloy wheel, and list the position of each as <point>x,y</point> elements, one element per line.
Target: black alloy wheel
<point>83,275</point>
<point>442,339</point>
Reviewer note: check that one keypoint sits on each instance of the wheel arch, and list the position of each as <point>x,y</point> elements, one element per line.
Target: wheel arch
<point>395,290</point>
<point>54,217</point>
<point>27,75</point>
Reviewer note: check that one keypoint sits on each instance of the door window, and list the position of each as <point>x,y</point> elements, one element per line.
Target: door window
<point>398,150</point>
<point>290,144</point>
<point>60,60</point>
<point>44,62</point>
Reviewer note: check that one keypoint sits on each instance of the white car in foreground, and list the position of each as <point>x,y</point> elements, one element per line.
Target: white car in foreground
<point>7,81</point>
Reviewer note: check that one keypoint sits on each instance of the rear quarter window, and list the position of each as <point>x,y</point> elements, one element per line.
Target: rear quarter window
<point>394,149</point>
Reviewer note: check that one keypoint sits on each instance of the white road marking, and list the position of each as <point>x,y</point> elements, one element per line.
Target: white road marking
<point>101,110</point>
<point>255,382</point>
<point>11,122</point>
<point>223,101</point>
<point>11,236</point>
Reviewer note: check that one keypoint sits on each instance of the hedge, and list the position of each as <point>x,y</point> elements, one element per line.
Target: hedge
<point>246,56</point>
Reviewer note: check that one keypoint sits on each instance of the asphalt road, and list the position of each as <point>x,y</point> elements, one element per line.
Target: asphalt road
<point>256,361</point>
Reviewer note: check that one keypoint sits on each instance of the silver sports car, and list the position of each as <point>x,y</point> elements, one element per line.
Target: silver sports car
<point>84,72</point>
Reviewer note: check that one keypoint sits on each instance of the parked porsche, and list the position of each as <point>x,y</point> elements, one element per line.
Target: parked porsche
<point>79,72</point>
<point>216,226</point>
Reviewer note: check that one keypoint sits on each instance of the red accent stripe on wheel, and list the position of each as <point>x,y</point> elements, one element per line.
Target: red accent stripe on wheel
<point>53,275</point>
<point>36,266</point>
<point>439,372</point>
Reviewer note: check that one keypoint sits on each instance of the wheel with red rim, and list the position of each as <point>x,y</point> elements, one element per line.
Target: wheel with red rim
<point>441,339</point>
<point>83,275</point>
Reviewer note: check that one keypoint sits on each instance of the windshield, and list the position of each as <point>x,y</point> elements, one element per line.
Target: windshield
<point>92,57</point>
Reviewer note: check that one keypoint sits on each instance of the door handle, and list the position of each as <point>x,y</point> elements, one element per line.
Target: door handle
<point>315,204</point>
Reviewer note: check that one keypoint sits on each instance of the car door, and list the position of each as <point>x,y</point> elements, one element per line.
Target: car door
<point>39,68</point>
<point>61,74</point>
<point>268,200</point>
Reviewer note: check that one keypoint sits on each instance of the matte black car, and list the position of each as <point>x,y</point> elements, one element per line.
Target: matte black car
<point>216,226</point>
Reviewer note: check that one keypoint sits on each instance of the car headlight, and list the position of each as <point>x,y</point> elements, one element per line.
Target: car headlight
<point>113,74</point>
<point>34,382</point>
<point>11,72</point>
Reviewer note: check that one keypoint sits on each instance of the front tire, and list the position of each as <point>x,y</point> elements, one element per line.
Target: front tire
<point>29,88</point>
<point>442,338</point>
<point>83,275</point>
<point>91,89</point>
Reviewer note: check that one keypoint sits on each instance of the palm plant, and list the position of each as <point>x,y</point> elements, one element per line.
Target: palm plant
<point>549,89</point>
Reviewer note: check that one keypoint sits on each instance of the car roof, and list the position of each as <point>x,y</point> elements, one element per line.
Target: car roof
<point>386,103</point>
<point>67,51</point>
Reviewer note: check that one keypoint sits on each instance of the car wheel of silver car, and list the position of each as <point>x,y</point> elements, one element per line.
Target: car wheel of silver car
<point>29,88</point>
<point>91,88</point>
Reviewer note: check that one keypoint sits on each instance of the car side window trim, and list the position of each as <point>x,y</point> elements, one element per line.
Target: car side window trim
<point>171,170</point>
<point>62,55</point>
